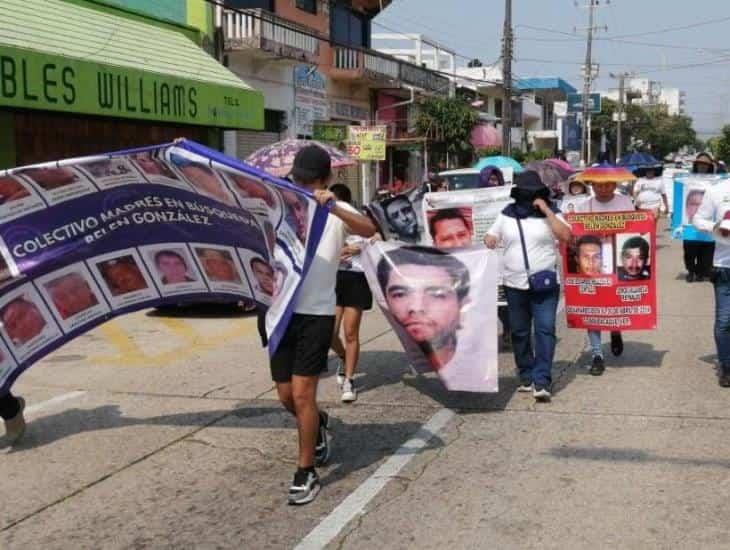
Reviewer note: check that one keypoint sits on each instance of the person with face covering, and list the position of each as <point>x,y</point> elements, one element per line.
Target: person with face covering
<point>698,254</point>
<point>534,218</point>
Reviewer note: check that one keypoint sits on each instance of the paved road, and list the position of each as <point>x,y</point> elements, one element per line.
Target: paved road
<point>163,432</point>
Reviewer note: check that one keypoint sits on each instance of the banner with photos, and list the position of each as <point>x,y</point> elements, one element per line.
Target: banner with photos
<point>443,307</point>
<point>84,240</point>
<point>400,217</point>
<point>610,271</point>
<point>687,196</point>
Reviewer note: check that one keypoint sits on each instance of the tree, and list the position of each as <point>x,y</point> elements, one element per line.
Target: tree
<point>449,120</point>
<point>636,119</point>
<point>722,145</point>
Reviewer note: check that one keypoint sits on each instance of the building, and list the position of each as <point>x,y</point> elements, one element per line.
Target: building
<point>113,77</point>
<point>417,49</point>
<point>650,93</point>
<point>314,63</point>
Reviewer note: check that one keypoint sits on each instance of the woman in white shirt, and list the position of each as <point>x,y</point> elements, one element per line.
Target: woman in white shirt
<point>529,307</point>
<point>650,192</point>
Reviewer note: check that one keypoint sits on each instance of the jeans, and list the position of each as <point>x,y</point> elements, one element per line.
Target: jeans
<point>503,315</point>
<point>594,337</point>
<point>9,406</point>
<point>698,257</point>
<point>722,316</point>
<point>533,312</point>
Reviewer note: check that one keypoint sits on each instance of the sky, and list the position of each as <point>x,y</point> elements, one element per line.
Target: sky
<point>683,46</point>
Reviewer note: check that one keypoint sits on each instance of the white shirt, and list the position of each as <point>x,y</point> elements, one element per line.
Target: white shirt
<point>542,251</point>
<point>353,263</point>
<point>619,203</point>
<point>715,207</point>
<point>317,293</point>
<point>648,193</point>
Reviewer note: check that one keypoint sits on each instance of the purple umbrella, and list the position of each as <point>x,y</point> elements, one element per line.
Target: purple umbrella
<point>550,174</point>
<point>278,158</point>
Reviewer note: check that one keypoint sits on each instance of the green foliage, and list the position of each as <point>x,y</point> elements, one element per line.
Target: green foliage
<point>449,120</point>
<point>540,154</point>
<point>519,155</point>
<point>489,152</point>
<point>721,145</point>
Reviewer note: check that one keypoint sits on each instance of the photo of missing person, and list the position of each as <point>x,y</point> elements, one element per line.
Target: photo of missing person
<point>296,213</point>
<point>51,178</point>
<point>634,256</point>
<point>264,276</point>
<point>122,275</point>
<point>11,189</point>
<point>22,320</point>
<point>156,170</point>
<point>173,266</point>
<point>17,198</point>
<point>451,227</point>
<point>109,172</point>
<point>203,179</point>
<point>692,200</point>
<point>174,269</point>
<point>591,256</point>
<point>402,218</point>
<point>249,188</point>
<point>218,264</point>
<point>71,294</point>
<point>425,290</point>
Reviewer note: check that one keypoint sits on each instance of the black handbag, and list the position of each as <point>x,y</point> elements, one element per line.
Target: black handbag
<point>542,281</point>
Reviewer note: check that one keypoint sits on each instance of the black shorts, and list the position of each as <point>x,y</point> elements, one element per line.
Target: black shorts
<point>352,290</point>
<point>304,348</point>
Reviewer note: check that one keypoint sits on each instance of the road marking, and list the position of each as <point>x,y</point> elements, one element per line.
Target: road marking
<point>38,407</point>
<point>330,527</point>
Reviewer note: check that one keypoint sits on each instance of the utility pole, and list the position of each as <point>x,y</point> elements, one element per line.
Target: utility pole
<point>620,114</point>
<point>588,77</point>
<point>507,80</point>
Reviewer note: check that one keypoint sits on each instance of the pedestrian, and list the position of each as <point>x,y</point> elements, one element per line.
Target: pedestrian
<point>302,353</point>
<point>528,229</point>
<point>11,411</point>
<point>604,199</point>
<point>713,217</point>
<point>353,297</point>
<point>649,192</point>
<point>698,255</point>
<point>491,176</point>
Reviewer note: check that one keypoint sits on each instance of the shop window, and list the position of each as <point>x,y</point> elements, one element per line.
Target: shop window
<point>273,121</point>
<point>348,27</point>
<point>251,4</point>
<point>498,108</point>
<point>308,6</point>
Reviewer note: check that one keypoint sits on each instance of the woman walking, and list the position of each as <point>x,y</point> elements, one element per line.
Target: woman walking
<point>353,297</point>
<point>528,230</point>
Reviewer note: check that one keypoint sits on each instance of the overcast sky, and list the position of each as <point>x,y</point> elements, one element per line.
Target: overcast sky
<point>546,44</point>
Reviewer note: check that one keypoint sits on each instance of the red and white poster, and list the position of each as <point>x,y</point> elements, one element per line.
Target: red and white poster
<point>610,271</point>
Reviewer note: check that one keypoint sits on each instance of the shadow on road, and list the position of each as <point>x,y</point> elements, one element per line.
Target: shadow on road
<point>612,454</point>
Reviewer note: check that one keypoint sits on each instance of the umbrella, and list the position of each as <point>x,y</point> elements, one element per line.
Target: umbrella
<point>566,167</point>
<point>499,162</point>
<point>552,176</point>
<point>632,161</point>
<point>278,158</point>
<point>605,173</point>
<point>484,136</point>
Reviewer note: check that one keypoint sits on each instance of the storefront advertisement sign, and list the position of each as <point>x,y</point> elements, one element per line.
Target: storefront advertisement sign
<point>367,142</point>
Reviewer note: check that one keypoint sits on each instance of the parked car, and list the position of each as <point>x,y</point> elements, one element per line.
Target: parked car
<point>464,178</point>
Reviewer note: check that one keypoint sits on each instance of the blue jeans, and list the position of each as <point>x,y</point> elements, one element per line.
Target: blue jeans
<point>722,316</point>
<point>533,312</point>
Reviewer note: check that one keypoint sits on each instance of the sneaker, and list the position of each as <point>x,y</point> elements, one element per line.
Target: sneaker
<point>617,343</point>
<point>597,366</point>
<point>340,371</point>
<point>690,278</point>
<point>525,387</point>
<point>304,487</point>
<point>322,450</point>
<point>541,393</point>
<point>15,427</point>
<point>349,393</point>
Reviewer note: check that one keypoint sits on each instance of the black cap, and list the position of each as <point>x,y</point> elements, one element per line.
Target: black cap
<point>311,163</point>
<point>529,180</point>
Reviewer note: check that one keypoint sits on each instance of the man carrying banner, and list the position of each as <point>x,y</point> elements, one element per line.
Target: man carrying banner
<point>302,354</point>
<point>713,216</point>
<point>605,199</point>
<point>11,411</point>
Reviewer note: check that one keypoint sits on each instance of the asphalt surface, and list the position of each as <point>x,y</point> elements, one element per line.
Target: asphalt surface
<point>159,431</point>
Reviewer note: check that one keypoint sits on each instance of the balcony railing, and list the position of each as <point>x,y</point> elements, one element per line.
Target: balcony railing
<point>265,31</point>
<point>423,78</point>
<point>365,65</point>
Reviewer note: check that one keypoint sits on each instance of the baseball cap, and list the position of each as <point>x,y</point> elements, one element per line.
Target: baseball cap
<point>311,163</point>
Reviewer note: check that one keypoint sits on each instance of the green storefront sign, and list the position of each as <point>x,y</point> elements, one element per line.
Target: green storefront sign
<point>328,133</point>
<point>33,80</point>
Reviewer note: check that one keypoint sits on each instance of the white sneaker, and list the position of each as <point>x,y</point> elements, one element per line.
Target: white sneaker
<point>525,388</point>
<point>340,371</point>
<point>349,393</point>
<point>541,394</point>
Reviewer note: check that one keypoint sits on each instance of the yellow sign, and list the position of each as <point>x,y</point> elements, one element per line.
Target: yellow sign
<point>367,142</point>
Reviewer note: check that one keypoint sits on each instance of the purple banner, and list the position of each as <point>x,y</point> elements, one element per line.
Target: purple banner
<point>84,240</point>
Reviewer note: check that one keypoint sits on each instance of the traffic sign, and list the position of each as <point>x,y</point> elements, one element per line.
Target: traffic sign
<point>575,103</point>
<point>623,117</point>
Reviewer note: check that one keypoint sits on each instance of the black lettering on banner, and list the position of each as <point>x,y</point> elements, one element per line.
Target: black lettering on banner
<point>26,92</point>
<point>49,84</point>
<point>9,87</point>
<point>192,96</point>
<point>67,76</point>
<point>141,96</point>
<point>178,100</point>
<point>164,99</point>
<point>106,90</point>
<point>129,108</point>
<point>154,94</point>
<point>119,92</point>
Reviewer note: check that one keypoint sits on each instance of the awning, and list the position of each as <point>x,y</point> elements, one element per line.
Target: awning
<point>61,56</point>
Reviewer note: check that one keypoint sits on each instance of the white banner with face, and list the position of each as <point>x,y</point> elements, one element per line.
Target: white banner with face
<point>443,307</point>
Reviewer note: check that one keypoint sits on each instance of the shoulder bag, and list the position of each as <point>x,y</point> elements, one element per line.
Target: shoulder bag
<point>542,281</point>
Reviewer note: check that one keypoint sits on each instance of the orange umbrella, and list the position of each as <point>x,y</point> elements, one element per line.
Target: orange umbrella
<point>605,173</point>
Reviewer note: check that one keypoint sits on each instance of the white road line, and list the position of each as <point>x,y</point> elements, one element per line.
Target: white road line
<point>354,504</point>
<point>38,407</point>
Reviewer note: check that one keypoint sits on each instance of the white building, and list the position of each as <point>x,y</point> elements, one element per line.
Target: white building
<point>650,93</point>
<point>417,49</point>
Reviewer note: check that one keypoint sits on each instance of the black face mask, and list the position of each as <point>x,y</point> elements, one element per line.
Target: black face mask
<point>527,196</point>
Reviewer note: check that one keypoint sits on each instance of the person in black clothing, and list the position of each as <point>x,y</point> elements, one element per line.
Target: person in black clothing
<point>11,411</point>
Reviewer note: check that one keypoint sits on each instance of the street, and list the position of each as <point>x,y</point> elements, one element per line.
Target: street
<point>161,430</point>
